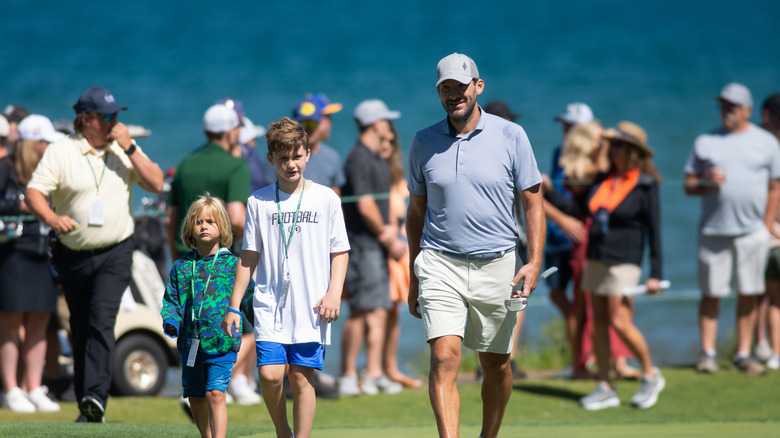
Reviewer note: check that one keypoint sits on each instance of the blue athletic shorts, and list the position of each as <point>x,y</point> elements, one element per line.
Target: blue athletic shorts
<point>205,377</point>
<point>311,354</point>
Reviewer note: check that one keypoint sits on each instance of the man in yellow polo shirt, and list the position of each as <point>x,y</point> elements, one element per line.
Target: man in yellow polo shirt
<point>89,178</point>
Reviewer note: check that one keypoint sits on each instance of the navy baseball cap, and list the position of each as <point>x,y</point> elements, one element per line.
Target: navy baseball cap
<point>99,100</point>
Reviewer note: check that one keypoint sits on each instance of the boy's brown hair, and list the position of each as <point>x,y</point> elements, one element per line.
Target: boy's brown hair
<point>286,135</point>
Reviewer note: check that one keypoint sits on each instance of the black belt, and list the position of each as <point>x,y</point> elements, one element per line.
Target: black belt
<point>483,256</point>
<point>88,252</point>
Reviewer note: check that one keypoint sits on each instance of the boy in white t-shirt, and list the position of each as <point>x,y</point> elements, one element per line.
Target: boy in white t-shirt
<point>295,236</point>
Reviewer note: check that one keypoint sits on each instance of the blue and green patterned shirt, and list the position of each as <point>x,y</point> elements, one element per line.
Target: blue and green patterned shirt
<point>208,307</point>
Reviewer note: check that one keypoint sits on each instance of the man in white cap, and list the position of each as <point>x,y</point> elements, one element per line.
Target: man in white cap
<point>211,169</point>
<point>88,177</point>
<point>465,172</point>
<point>735,169</point>
<point>372,239</point>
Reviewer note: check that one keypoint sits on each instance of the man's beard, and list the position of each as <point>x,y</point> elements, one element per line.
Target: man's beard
<point>467,112</point>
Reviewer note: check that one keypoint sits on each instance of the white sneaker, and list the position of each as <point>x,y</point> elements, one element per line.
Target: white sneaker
<point>763,351</point>
<point>348,386</point>
<point>16,401</point>
<point>228,398</point>
<point>773,363</point>
<point>41,401</point>
<point>239,388</point>
<point>372,385</point>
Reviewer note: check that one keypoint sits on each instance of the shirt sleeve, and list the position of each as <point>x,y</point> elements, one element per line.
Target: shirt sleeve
<point>338,235</point>
<point>774,170</point>
<point>415,177</point>
<point>692,163</point>
<point>252,240</point>
<point>526,170</point>
<point>46,176</point>
<point>171,304</point>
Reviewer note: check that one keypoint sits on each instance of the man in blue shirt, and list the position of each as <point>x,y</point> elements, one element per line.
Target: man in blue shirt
<point>464,174</point>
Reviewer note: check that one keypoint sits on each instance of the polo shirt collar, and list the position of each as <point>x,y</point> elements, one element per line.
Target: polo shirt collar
<point>449,130</point>
<point>85,148</point>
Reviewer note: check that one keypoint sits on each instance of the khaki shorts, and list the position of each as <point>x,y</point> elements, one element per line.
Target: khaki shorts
<point>744,256</point>
<point>605,279</point>
<point>466,299</point>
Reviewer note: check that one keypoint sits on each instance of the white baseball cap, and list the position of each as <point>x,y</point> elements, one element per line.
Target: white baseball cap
<point>219,118</point>
<point>456,66</point>
<point>37,127</point>
<point>5,128</point>
<point>577,112</point>
<point>369,111</point>
<point>249,131</point>
<point>737,94</point>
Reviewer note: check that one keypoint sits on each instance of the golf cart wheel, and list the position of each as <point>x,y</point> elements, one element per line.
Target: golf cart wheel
<point>140,366</point>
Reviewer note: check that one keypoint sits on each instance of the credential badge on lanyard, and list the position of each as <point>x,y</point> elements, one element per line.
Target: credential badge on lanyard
<point>196,342</point>
<point>97,208</point>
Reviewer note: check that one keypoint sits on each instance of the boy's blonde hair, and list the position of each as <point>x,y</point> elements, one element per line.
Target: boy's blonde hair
<point>286,135</point>
<point>217,208</point>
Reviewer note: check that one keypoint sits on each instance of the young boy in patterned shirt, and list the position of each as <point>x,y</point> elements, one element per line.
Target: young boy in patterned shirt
<point>194,305</point>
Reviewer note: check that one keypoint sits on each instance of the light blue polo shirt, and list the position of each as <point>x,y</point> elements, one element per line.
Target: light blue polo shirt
<point>471,181</point>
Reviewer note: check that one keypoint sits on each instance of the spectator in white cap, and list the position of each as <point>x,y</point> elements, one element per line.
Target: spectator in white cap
<point>28,293</point>
<point>88,177</point>
<point>212,169</point>
<point>372,238</point>
<point>465,173</point>
<point>735,169</point>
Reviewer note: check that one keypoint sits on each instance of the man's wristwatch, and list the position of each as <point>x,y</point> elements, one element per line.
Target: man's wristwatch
<point>130,150</point>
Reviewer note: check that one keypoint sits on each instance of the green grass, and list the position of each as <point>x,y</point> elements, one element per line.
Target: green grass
<point>725,404</point>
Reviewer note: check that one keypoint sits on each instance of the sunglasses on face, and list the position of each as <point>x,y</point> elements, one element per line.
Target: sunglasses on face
<point>309,125</point>
<point>109,117</point>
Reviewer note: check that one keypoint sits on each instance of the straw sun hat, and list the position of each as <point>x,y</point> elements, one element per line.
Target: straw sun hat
<point>632,134</point>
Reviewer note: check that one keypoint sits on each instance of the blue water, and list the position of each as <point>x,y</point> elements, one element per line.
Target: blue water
<point>657,63</point>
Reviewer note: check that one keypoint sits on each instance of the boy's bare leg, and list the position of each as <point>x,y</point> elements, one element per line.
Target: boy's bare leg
<point>200,413</point>
<point>272,388</point>
<point>218,413</point>
<point>304,400</point>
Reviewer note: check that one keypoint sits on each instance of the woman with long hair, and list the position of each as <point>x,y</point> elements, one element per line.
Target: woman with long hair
<point>28,293</point>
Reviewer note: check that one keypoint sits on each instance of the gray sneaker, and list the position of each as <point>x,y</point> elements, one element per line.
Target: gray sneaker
<point>372,386</point>
<point>601,398</point>
<point>707,364</point>
<point>648,391</point>
<point>748,365</point>
<point>348,386</point>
